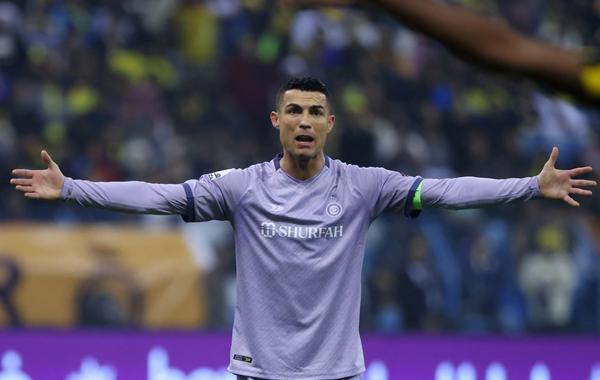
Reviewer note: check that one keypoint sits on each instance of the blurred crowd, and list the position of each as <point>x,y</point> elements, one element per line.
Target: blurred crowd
<point>166,90</point>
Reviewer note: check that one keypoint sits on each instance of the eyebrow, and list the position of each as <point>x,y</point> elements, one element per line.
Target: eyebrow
<point>317,106</point>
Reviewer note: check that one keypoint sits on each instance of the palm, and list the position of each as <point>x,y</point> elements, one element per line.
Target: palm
<point>46,183</point>
<point>40,184</point>
<point>561,184</point>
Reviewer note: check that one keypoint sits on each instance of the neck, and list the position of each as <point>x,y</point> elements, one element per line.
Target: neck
<point>302,168</point>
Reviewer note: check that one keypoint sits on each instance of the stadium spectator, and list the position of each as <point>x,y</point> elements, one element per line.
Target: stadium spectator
<point>547,277</point>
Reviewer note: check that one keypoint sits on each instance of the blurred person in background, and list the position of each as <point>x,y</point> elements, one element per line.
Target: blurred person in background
<point>296,219</point>
<point>109,296</point>
<point>492,43</point>
<point>10,276</point>
<point>419,288</point>
<point>547,278</point>
<point>482,287</point>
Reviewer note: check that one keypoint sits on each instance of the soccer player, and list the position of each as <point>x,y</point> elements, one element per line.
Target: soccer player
<point>491,43</point>
<point>300,224</point>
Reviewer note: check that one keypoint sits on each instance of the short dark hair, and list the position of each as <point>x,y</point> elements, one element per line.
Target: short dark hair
<point>302,84</point>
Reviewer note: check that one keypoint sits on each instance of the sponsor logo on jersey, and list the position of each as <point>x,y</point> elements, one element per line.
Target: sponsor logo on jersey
<point>219,174</point>
<point>333,209</point>
<point>270,230</point>
<point>242,358</point>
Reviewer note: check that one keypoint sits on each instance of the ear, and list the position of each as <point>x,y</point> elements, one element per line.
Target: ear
<point>275,119</point>
<point>330,123</point>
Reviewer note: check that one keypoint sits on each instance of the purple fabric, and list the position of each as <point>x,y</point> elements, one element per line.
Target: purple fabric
<point>467,192</point>
<point>134,197</point>
<point>299,250</point>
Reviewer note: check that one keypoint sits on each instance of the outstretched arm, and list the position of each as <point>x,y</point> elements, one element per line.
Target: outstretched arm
<point>469,192</point>
<point>490,42</point>
<point>134,197</point>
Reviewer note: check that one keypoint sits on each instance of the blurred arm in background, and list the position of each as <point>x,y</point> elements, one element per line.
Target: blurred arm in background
<point>492,43</point>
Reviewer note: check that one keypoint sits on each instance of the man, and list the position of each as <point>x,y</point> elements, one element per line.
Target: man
<point>491,43</point>
<point>300,224</point>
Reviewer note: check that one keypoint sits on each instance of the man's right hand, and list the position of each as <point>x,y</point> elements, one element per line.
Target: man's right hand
<point>40,184</point>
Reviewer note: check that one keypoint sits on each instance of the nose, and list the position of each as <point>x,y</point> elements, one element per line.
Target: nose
<point>304,123</point>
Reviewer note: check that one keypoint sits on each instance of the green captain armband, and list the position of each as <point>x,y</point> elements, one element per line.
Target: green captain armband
<point>416,201</point>
<point>412,206</point>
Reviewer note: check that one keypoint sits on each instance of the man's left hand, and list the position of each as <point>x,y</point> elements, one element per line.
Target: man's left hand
<point>561,184</point>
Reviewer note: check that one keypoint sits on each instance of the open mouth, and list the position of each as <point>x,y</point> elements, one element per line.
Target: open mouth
<point>305,139</point>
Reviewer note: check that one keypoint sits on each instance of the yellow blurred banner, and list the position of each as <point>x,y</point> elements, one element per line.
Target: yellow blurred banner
<point>97,275</point>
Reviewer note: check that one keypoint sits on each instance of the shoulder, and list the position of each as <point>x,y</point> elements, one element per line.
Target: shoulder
<point>239,175</point>
<point>371,180</point>
<point>229,184</point>
<point>358,172</point>
<point>343,167</point>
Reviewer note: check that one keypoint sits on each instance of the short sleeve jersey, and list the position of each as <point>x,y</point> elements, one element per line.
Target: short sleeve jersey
<point>299,252</point>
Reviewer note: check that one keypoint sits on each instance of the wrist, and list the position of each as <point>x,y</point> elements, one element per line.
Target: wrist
<point>67,189</point>
<point>536,187</point>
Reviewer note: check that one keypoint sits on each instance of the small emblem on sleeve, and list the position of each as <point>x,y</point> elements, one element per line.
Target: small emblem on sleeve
<point>219,174</point>
<point>242,358</point>
<point>334,209</point>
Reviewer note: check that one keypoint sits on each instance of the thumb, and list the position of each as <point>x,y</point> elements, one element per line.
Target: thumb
<point>553,157</point>
<point>47,159</point>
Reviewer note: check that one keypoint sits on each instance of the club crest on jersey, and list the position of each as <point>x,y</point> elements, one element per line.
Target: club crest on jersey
<point>334,209</point>
<point>219,174</point>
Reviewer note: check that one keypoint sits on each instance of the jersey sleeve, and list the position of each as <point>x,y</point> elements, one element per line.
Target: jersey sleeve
<point>386,190</point>
<point>214,196</point>
<point>472,192</point>
<point>130,196</point>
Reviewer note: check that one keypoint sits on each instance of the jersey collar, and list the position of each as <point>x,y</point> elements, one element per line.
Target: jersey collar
<point>279,156</point>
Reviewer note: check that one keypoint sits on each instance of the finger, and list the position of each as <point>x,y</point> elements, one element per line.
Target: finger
<point>553,157</point>
<point>21,181</point>
<point>583,183</point>
<point>25,189</point>
<point>579,171</point>
<point>570,201</point>
<point>580,191</point>
<point>23,172</point>
<point>46,158</point>
<point>32,195</point>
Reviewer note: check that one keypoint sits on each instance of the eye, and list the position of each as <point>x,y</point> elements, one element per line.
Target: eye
<point>294,110</point>
<point>317,111</point>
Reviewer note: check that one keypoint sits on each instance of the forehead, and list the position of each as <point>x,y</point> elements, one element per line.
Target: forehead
<point>304,98</point>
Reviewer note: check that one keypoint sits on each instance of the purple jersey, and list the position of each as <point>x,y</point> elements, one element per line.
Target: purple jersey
<point>299,250</point>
